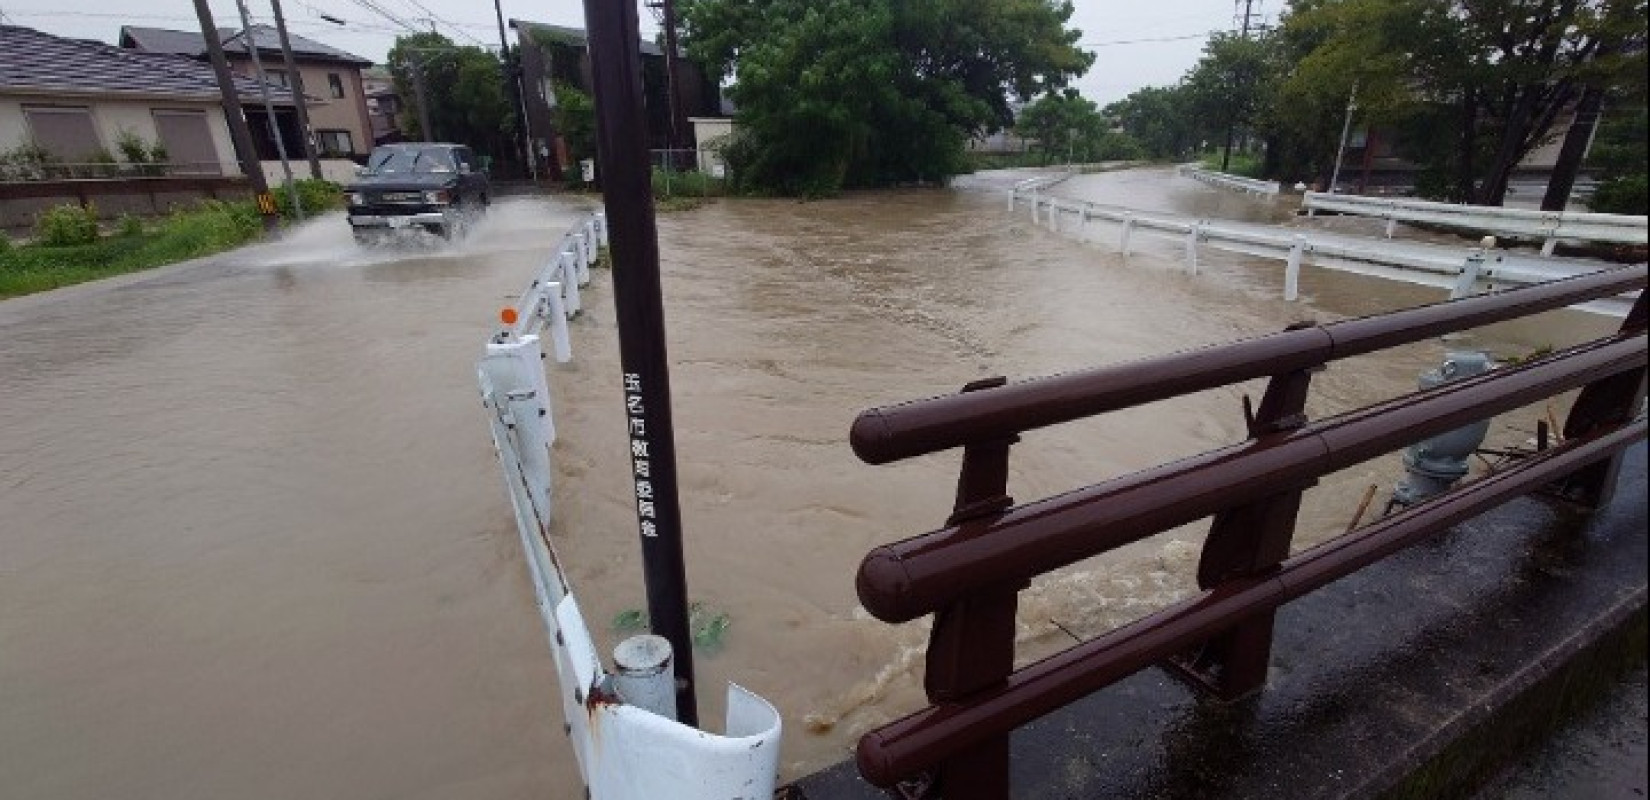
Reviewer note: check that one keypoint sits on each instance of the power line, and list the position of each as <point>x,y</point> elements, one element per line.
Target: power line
<point>431,15</point>
<point>1181,38</point>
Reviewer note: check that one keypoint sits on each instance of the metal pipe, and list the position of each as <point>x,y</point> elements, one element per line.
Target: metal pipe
<point>921,740</point>
<point>902,581</point>
<point>891,433</point>
<point>627,193</point>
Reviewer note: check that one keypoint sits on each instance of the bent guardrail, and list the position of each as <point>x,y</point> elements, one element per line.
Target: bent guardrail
<point>621,723</point>
<point>969,572</point>
<point>1550,226</point>
<point>1460,270</point>
<point>1228,181</point>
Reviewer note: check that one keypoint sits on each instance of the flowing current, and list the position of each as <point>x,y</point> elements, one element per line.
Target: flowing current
<point>254,542</point>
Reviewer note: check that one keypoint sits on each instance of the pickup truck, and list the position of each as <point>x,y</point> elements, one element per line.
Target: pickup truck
<point>426,186</point>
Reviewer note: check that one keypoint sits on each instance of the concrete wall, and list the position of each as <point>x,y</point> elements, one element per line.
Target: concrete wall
<point>337,170</point>
<point>143,197</point>
<point>110,117</point>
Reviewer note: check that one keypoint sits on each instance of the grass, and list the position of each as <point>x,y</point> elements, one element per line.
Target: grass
<point>208,228</point>
<point>1243,164</point>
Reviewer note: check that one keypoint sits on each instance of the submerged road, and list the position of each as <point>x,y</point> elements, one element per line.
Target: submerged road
<point>253,542</point>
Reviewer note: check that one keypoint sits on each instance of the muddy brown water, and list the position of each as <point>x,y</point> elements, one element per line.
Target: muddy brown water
<point>254,543</point>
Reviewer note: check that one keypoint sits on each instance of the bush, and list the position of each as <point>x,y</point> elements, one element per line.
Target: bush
<point>1624,194</point>
<point>66,225</point>
<point>210,226</point>
<point>130,226</point>
<point>317,196</point>
<point>693,183</point>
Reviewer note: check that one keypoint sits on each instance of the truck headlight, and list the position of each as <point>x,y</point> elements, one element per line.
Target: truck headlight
<point>438,197</point>
<point>357,198</point>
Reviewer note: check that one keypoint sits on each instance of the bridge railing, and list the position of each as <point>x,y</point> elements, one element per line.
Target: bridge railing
<point>968,573</point>
<point>620,721</point>
<point>1550,226</point>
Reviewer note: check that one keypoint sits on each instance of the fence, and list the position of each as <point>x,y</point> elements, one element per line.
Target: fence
<point>621,723</point>
<point>1460,270</point>
<point>968,573</point>
<point>1550,226</point>
<point>1226,181</point>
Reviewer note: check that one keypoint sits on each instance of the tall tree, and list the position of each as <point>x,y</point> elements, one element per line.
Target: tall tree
<point>835,93</point>
<point>465,99</point>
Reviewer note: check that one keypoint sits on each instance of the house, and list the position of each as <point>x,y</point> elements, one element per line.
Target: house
<point>383,105</point>
<point>554,55</point>
<point>334,91</point>
<point>79,102</point>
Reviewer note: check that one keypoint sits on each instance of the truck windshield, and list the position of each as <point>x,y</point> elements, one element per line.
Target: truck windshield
<point>409,160</point>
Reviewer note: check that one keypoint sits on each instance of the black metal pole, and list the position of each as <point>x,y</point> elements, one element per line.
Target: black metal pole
<point>627,190</point>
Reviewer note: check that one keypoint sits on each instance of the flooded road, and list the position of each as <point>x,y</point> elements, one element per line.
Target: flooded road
<point>253,541</point>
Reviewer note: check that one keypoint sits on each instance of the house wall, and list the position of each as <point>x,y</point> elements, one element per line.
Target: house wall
<point>110,117</point>
<point>326,112</point>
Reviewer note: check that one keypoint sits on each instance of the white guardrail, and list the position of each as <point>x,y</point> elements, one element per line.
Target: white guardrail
<point>1523,222</point>
<point>1226,181</point>
<point>621,723</point>
<point>1462,273</point>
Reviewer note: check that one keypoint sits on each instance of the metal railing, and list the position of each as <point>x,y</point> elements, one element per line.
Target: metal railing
<point>1460,270</point>
<point>1551,226</point>
<point>969,572</point>
<point>1228,181</point>
<point>621,722</point>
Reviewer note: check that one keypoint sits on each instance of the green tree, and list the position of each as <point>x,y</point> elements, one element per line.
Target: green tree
<point>1069,127</point>
<point>1160,119</point>
<point>463,90</point>
<point>874,92</point>
<point>1230,86</point>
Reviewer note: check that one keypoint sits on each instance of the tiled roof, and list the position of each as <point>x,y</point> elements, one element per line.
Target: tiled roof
<point>34,61</point>
<point>264,37</point>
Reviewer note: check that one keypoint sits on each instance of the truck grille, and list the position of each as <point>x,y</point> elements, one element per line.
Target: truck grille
<point>401,197</point>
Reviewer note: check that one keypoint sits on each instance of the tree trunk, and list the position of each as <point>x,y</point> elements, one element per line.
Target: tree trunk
<point>1508,153</point>
<point>1573,150</point>
<point>1465,166</point>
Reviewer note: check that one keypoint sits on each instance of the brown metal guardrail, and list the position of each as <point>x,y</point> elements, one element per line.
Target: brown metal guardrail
<point>968,574</point>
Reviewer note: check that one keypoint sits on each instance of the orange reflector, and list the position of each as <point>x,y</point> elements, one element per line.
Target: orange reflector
<point>508,315</point>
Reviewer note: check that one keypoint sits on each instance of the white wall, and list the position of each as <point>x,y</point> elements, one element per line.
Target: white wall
<point>706,131</point>
<point>110,117</point>
<point>337,170</point>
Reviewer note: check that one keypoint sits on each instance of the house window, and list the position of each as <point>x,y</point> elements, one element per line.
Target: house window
<point>336,83</point>
<point>278,77</point>
<point>67,133</point>
<point>335,143</point>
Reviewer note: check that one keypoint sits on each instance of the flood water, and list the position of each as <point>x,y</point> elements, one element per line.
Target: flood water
<point>254,542</point>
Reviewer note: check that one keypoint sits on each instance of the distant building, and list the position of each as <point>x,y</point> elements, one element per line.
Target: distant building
<point>553,54</point>
<point>333,87</point>
<point>383,105</point>
<point>77,100</point>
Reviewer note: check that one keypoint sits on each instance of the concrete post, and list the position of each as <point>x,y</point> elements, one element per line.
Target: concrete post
<point>645,678</point>
<point>1292,270</point>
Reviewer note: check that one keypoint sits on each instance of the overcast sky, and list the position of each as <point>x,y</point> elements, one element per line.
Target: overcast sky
<point>1136,43</point>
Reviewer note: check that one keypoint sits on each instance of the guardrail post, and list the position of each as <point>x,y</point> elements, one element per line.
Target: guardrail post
<point>1053,216</point>
<point>1468,279</point>
<point>555,311</point>
<point>1034,206</point>
<point>1011,193</point>
<point>1191,249</point>
<point>1244,541</point>
<point>1606,403</point>
<point>1292,269</point>
<point>1391,226</point>
<point>1128,229</point>
<point>1549,246</point>
<point>971,644</point>
<point>570,282</point>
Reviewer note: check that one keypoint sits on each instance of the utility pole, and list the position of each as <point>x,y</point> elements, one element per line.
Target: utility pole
<point>673,82</point>
<point>418,91</point>
<point>238,132</point>
<point>1231,124</point>
<point>1346,128</point>
<point>295,82</point>
<point>512,88</point>
<point>269,107</point>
